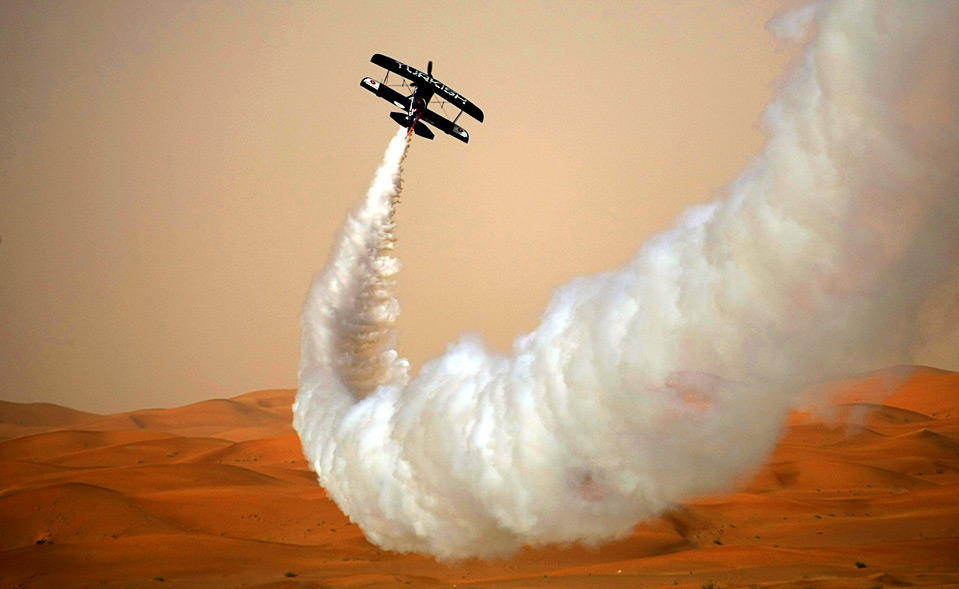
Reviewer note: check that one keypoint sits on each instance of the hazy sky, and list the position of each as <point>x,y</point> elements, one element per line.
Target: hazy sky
<point>172,174</point>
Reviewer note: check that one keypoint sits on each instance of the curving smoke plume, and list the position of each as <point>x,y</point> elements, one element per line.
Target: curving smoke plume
<point>671,376</point>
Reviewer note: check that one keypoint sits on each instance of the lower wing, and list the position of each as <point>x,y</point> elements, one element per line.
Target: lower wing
<point>386,93</point>
<point>445,125</point>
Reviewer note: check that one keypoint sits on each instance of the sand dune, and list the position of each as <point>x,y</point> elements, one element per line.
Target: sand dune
<point>73,513</point>
<point>206,418</point>
<point>51,445</point>
<point>274,451</point>
<point>40,414</point>
<point>20,419</point>
<point>217,494</point>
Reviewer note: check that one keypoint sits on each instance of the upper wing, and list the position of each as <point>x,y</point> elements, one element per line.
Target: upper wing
<point>457,100</point>
<point>398,67</point>
<point>415,75</point>
<point>386,93</point>
<point>445,125</point>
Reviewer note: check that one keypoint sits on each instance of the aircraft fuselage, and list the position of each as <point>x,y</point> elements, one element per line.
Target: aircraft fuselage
<point>419,102</point>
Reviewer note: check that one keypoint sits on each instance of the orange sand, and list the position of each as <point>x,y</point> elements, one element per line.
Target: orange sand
<point>217,494</point>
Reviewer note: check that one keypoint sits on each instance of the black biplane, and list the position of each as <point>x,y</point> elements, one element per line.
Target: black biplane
<point>424,87</point>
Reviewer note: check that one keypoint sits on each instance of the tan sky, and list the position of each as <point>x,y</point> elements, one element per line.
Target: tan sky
<point>172,174</point>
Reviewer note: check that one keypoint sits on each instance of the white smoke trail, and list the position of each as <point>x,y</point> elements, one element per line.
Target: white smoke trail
<point>350,313</point>
<point>671,376</point>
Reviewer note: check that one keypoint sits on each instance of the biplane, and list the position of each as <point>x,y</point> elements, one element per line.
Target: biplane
<point>423,87</point>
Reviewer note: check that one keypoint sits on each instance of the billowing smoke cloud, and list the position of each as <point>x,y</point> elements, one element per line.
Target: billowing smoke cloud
<point>669,377</point>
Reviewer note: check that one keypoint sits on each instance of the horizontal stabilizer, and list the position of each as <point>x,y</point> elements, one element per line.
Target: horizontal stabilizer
<point>422,130</point>
<point>401,118</point>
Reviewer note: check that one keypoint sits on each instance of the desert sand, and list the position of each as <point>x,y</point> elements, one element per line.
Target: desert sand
<point>862,492</point>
